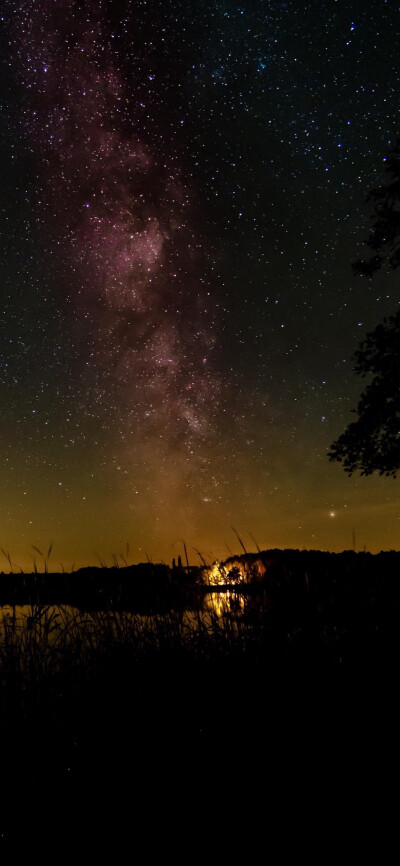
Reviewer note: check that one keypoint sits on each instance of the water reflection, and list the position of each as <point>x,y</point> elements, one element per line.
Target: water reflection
<point>224,603</point>
<point>40,641</point>
<point>50,619</point>
<point>60,624</point>
<point>36,617</point>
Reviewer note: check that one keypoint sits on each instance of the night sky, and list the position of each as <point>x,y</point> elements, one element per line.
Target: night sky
<point>182,194</point>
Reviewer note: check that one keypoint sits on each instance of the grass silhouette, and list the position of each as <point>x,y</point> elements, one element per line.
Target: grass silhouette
<point>134,672</point>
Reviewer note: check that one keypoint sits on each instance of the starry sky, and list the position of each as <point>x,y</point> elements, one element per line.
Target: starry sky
<point>182,194</point>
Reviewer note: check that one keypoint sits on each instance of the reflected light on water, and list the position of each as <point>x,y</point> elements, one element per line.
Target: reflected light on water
<point>222,603</point>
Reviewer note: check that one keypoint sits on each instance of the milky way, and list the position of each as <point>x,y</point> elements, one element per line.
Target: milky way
<point>122,217</point>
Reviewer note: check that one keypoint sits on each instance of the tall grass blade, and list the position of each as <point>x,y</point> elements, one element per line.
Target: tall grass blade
<point>239,539</point>
<point>253,539</point>
<point>201,556</point>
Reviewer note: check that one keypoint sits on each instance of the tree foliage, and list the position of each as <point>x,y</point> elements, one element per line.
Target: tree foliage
<point>384,238</point>
<point>372,442</point>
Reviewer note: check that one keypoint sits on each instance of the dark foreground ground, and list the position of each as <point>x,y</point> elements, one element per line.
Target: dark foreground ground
<point>216,745</point>
<point>222,758</point>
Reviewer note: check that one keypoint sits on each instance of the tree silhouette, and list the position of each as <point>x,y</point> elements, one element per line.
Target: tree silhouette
<point>384,238</point>
<point>372,442</point>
